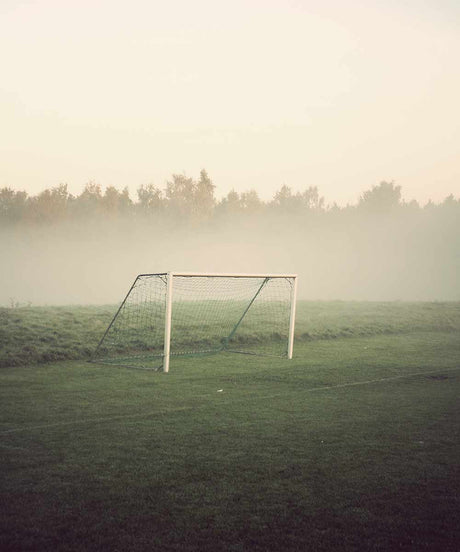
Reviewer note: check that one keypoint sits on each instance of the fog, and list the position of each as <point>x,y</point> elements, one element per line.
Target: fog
<point>411,255</point>
<point>331,94</point>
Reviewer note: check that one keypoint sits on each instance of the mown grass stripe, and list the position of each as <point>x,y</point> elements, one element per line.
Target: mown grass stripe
<point>201,407</point>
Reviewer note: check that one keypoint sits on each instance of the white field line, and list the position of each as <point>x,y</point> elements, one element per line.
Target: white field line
<point>185,408</point>
<point>95,420</point>
<point>6,447</point>
<point>368,382</point>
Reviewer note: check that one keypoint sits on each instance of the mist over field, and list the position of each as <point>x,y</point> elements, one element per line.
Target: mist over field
<point>371,251</point>
<point>283,102</point>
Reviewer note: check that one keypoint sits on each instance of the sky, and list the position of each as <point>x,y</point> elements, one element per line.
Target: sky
<point>335,94</point>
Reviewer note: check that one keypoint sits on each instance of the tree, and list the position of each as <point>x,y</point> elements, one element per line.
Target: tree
<point>124,202</point>
<point>450,202</point>
<point>284,200</point>
<point>115,203</point>
<point>13,205</point>
<point>109,201</point>
<point>50,205</point>
<point>150,199</point>
<point>89,202</point>
<point>204,196</point>
<point>180,193</point>
<point>312,200</point>
<point>251,202</point>
<point>230,204</point>
<point>381,199</point>
<point>246,202</point>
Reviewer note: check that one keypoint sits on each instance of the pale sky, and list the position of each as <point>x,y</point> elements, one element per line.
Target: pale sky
<point>335,94</point>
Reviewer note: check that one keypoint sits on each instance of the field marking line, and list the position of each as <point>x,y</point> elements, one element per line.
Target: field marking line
<point>6,447</point>
<point>368,382</point>
<point>95,420</point>
<point>196,407</point>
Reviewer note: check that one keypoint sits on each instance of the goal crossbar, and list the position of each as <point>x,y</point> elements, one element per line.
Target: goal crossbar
<point>219,275</point>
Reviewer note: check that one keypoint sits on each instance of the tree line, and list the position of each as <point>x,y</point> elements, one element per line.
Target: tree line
<point>190,200</point>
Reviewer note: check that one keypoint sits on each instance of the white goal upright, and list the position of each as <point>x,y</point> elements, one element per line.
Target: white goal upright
<point>183,313</point>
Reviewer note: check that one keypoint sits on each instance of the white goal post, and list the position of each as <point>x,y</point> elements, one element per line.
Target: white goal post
<point>189,313</point>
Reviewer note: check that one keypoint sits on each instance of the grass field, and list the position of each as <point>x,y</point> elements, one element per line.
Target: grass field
<point>45,334</point>
<point>352,445</point>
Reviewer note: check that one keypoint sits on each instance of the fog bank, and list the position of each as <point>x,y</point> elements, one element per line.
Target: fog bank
<point>343,256</point>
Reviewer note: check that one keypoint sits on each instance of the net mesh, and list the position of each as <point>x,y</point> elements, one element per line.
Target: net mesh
<point>209,314</point>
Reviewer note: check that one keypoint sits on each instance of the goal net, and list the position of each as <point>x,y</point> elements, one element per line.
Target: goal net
<point>171,314</point>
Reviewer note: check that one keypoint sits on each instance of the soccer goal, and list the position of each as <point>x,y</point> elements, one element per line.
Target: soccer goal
<point>178,313</point>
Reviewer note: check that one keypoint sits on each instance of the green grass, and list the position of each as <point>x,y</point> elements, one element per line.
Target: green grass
<point>47,334</point>
<point>31,335</point>
<point>352,445</point>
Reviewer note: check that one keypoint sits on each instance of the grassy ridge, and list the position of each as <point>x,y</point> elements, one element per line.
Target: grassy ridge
<point>352,446</point>
<point>32,335</point>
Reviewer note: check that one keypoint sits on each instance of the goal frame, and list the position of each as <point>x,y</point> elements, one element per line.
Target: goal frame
<point>169,294</point>
<point>169,277</point>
